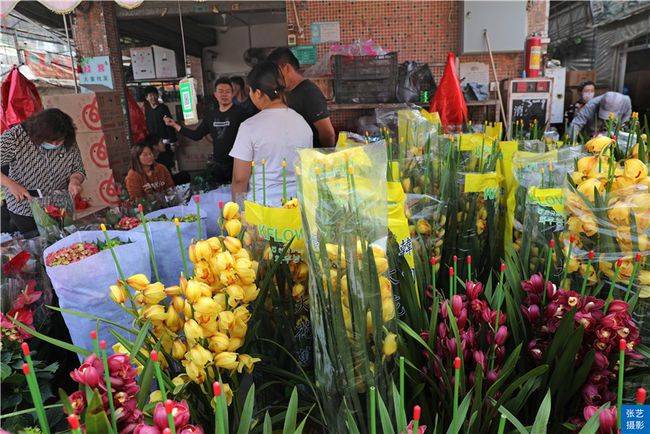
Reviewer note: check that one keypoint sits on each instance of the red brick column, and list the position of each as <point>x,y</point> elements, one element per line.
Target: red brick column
<point>95,33</point>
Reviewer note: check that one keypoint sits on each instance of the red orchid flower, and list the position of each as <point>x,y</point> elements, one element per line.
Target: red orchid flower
<point>16,264</point>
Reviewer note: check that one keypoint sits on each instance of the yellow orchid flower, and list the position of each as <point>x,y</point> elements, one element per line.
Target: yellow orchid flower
<point>226,360</point>
<point>138,282</point>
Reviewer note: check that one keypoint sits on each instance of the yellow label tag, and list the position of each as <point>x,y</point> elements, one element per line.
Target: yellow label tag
<point>481,182</point>
<point>342,141</point>
<point>469,142</point>
<point>277,224</point>
<point>550,197</point>
<point>397,222</point>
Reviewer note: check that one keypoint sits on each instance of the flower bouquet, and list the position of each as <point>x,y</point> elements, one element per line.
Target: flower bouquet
<point>53,213</point>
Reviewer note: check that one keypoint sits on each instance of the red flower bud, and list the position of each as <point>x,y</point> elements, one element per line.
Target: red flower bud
<point>455,258</point>
<point>502,267</point>
<point>456,305</point>
<point>451,271</point>
<point>416,412</point>
<point>551,243</point>
<point>572,238</point>
<point>216,388</point>
<point>140,209</point>
<point>25,347</point>
<point>154,355</point>
<point>93,334</point>
<point>73,421</point>
<point>640,396</point>
<point>25,369</point>
<point>221,204</point>
<point>433,260</point>
<point>469,259</point>
<point>457,363</point>
<point>637,257</point>
<point>102,344</point>
<point>619,262</point>
<point>591,255</point>
<point>501,335</point>
<point>197,198</point>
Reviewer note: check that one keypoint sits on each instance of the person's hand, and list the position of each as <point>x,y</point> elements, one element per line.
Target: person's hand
<point>18,191</point>
<point>169,121</point>
<point>74,188</point>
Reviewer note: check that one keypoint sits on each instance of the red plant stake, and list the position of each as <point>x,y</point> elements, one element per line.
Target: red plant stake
<point>416,419</point>
<point>640,396</point>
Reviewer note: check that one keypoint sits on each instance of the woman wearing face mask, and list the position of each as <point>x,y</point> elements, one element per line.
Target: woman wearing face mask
<point>146,176</point>
<point>42,154</point>
<point>587,91</point>
<point>271,136</point>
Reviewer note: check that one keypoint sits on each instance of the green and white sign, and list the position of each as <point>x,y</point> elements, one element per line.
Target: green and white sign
<point>187,90</point>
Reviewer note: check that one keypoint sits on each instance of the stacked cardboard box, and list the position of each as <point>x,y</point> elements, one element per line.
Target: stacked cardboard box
<point>101,137</point>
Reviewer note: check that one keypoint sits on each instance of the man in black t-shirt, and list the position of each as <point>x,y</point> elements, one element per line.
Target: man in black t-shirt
<point>305,97</point>
<point>222,124</point>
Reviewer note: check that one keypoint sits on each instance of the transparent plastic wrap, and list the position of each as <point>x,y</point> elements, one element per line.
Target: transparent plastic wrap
<point>164,238</point>
<point>409,132</point>
<point>343,203</point>
<point>270,233</point>
<point>53,213</point>
<point>85,285</point>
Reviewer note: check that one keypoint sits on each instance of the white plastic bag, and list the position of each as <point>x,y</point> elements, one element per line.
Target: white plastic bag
<point>84,285</point>
<point>165,240</point>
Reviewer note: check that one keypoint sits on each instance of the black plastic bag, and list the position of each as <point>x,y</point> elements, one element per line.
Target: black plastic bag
<point>413,78</point>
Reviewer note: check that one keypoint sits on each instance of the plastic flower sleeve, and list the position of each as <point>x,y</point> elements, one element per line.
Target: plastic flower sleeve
<point>85,285</point>
<point>343,203</point>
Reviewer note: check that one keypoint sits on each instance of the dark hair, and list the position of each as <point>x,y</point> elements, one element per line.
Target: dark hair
<point>222,80</point>
<point>586,83</point>
<point>50,125</point>
<point>266,77</point>
<point>284,56</point>
<point>238,81</point>
<point>136,151</point>
<point>150,89</point>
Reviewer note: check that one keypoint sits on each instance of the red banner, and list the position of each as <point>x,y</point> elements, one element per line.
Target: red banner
<point>48,65</point>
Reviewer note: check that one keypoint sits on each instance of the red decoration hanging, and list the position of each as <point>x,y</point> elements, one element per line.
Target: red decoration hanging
<point>449,101</point>
<point>137,119</point>
<point>20,100</point>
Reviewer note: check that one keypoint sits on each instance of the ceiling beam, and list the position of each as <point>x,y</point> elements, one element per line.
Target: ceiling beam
<point>192,31</point>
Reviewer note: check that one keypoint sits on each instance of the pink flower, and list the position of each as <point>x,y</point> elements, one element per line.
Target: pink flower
<point>193,429</point>
<point>456,305</point>
<point>479,358</point>
<point>146,429</point>
<point>617,306</point>
<point>501,335</point>
<point>78,401</point>
<point>607,420</point>
<point>534,285</point>
<point>473,289</point>
<point>180,411</point>
<point>89,372</point>
<point>531,313</point>
<point>421,428</point>
<point>492,376</point>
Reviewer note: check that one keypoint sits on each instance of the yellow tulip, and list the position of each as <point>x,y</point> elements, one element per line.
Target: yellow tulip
<point>206,306</point>
<point>196,290</point>
<point>225,318</point>
<point>247,277</point>
<point>191,253</point>
<point>154,293</point>
<point>155,312</point>
<point>243,265</point>
<point>192,330</point>
<point>246,361</point>
<point>241,254</point>
<point>138,282</point>
<point>233,227</point>
<point>226,360</point>
<point>387,309</point>
<point>235,344</point>
<point>248,239</point>
<point>588,186</point>
<point>235,295</point>
<point>385,288</point>
<point>336,254</point>
<point>290,204</point>
<point>180,380</point>
<point>118,294</point>
<point>178,349</point>
<point>173,320</point>
<point>406,184</point>
<point>597,144</point>
<point>199,355</point>
<point>619,213</point>
<point>155,396</point>
<point>635,169</point>
<point>297,290</point>
<point>172,291</point>
<point>209,325</point>
<point>227,392</point>
<point>299,271</point>
<point>194,372</point>
<point>233,245</point>
<point>242,313</point>
<point>250,293</point>
<point>423,227</point>
<point>390,345</point>
<point>203,272</point>
<point>218,343</point>
<point>225,261</point>
<point>621,183</point>
<point>202,250</point>
<point>238,329</point>
<point>230,210</point>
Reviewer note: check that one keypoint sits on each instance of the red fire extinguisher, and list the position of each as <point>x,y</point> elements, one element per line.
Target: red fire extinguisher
<point>533,56</point>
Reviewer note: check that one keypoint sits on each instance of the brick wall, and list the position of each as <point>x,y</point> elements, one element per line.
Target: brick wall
<point>424,31</point>
<point>95,34</point>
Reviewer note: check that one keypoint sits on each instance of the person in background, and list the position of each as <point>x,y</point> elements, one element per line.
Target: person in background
<point>42,154</point>
<point>587,91</point>
<point>222,124</point>
<point>240,97</point>
<point>305,97</point>
<point>273,135</point>
<point>591,118</point>
<point>155,113</point>
<point>145,176</point>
